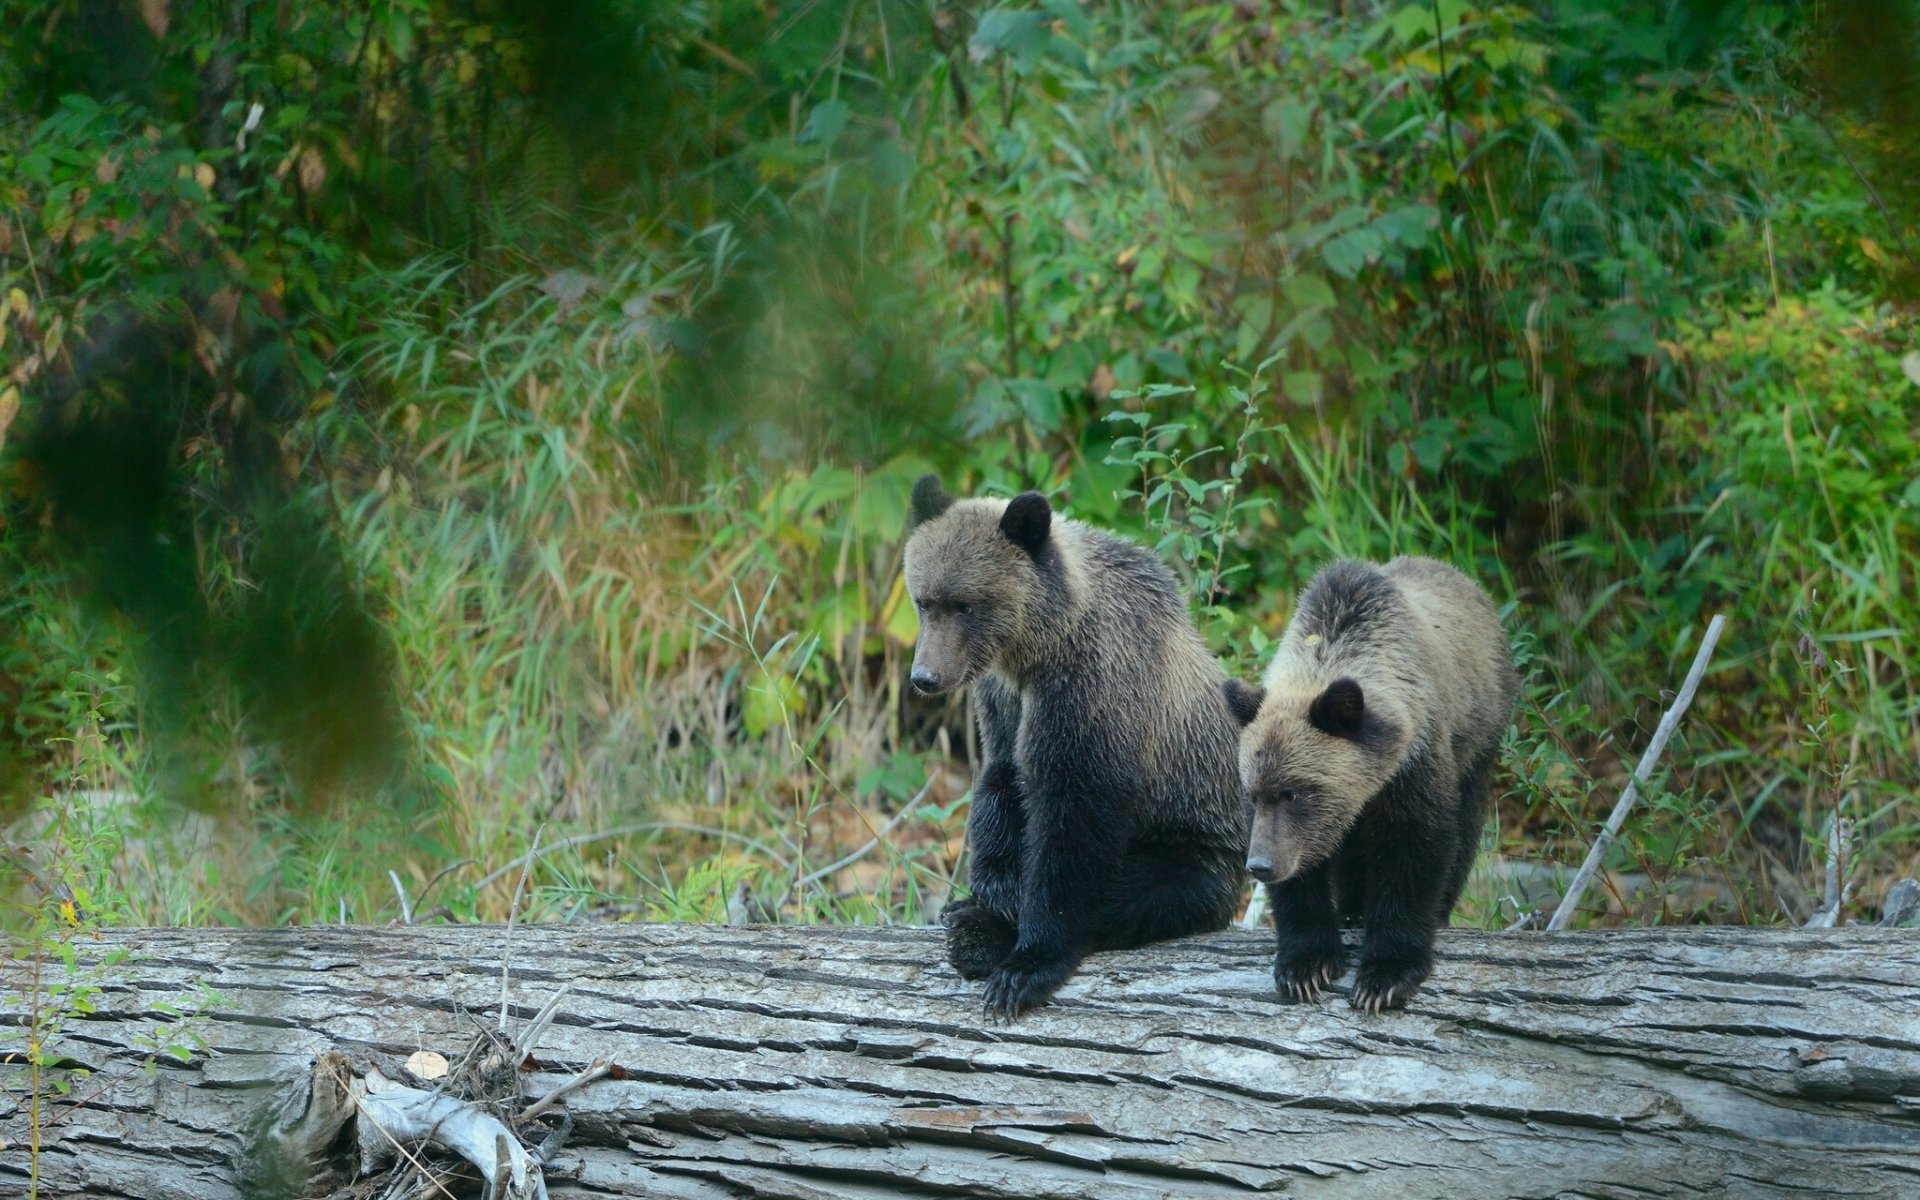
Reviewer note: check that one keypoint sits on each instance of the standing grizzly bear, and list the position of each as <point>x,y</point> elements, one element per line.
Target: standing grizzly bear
<point>1367,754</point>
<point>1108,811</point>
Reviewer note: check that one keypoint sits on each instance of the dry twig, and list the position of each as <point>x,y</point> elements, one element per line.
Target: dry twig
<point>1641,773</point>
<point>1837,893</point>
<point>513,910</point>
<point>597,1069</point>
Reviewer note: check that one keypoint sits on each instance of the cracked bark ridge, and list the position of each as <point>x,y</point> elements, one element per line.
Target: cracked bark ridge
<point>854,1064</point>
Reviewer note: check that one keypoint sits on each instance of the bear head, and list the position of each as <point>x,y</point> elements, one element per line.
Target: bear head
<point>1311,757</point>
<point>973,571</point>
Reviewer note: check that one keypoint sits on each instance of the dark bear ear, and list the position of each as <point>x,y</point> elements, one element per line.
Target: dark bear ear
<point>1339,710</point>
<point>1243,700</point>
<point>1026,521</point>
<point>929,500</point>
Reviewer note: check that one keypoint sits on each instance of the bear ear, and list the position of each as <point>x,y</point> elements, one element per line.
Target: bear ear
<point>1027,521</point>
<point>1340,710</point>
<point>1243,701</point>
<point>929,500</point>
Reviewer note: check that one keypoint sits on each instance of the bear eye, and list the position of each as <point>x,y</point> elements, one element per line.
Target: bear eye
<point>1288,797</point>
<point>965,610</point>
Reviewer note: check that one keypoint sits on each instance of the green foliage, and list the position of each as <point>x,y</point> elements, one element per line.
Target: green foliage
<point>549,380</point>
<point>1211,511</point>
<point>59,889</point>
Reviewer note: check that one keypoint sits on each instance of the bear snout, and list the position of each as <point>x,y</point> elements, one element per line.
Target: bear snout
<point>924,681</point>
<point>1268,868</point>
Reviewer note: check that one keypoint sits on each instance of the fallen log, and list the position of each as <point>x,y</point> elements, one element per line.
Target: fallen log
<point>852,1063</point>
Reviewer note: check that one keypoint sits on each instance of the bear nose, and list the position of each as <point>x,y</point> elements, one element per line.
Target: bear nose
<point>924,681</point>
<point>1261,868</point>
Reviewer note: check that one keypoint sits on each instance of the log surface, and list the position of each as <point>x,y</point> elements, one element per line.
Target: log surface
<point>853,1063</point>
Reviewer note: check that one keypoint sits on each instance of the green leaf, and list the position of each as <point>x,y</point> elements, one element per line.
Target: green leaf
<point>1183,284</point>
<point>1348,254</point>
<point>1039,403</point>
<point>1288,122</point>
<point>1307,290</point>
<point>1073,17</point>
<point>1412,22</point>
<point>1195,247</point>
<point>1168,363</point>
<point>1431,442</point>
<point>767,702</point>
<point>1302,387</point>
<point>1018,33</point>
<point>1152,257</point>
<point>990,408</point>
<point>1256,313</point>
<point>825,123</point>
<point>1408,226</point>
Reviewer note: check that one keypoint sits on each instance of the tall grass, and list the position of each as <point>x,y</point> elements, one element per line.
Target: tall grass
<point>630,511</point>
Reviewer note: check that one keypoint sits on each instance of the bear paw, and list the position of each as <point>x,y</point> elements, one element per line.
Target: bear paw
<point>1024,981</point>
<point>978,939</point>
<point>1382,985</point>
<point>1303,972</point>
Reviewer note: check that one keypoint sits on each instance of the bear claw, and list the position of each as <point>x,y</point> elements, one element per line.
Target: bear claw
<point>1378,988</point>
<point>1023,982</point>
<point>1302,977</point>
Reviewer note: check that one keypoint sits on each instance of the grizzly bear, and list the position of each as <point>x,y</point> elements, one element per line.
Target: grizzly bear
<point>1108,810</point>
<point>1367,755</point>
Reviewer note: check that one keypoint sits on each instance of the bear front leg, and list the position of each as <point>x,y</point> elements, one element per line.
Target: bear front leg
<point>981,930</point>
<point>1071,854</point>
<point>1050,940</point>
<point>1404,890</point>
<point>1308,956</point>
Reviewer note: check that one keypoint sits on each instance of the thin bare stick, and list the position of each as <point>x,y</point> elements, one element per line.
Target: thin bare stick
<point>1641,774</point>
<point>406,910</point>
<point>1839,849</point>
<point>536,1028</point>
<point>506,943</point>
<point>442,873</point>
<point>862,852</point>
<point>1838,893</point>
<point>595,1070</point>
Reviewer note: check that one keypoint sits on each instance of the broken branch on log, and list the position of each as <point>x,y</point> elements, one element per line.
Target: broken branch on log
<point>393,1117</point>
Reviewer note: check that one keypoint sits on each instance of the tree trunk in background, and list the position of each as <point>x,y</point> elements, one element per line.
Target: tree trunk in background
<point>845,1064</point>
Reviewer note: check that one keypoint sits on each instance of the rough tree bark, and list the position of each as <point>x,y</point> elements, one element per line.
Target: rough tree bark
<point>852,1063</point>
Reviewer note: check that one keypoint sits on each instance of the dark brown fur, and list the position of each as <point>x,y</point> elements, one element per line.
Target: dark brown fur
<point>1367,755</point>
<point>1108,810</point>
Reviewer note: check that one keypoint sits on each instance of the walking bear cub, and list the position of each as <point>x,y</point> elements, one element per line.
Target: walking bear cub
<point>1108,811</point>
<point>1367,755</point>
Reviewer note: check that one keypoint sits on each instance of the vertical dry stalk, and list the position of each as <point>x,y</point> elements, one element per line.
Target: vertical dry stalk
<point>1641,773</point>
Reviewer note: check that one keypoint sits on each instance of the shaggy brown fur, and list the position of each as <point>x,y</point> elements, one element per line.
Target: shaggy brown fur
<point>1108,810</point>
<point>1367,755</point>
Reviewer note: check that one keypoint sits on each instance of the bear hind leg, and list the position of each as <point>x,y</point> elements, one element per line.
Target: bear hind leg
<point>1163,893</point>
<point>978,939</point>
<point>1475,790</point>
